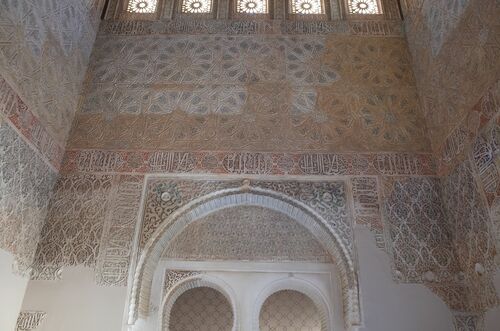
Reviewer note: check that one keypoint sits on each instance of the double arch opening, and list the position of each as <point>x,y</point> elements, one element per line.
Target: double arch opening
<point>296,285</point>
<point>175,223</point>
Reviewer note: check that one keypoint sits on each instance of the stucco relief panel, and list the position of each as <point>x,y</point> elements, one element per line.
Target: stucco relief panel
<point>44,50</point>
<point>326,198</point>
<point>419,236</point>
<point>246,233</point>
<point>201,308</point>
<point>472,232</point>
<point>26,181</point>
<point>91,221</point>
<point>289,310</point>
<point>450,85</point>
<point>223,92</point>
<point>75,220</point>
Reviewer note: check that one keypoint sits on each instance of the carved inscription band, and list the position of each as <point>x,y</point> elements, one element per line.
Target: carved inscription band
<point>326,164</point>
<point>234,27</point>
<point>23,120</point>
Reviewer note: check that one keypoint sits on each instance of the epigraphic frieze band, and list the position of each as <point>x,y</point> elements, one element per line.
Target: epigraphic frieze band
<point>20,116</point>
<point>321,164</point>
<point>245,27</point>
<point>460,141</point>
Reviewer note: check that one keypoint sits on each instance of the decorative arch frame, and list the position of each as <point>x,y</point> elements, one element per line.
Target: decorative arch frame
<point>176,222</point>
<point>298,285</point>
<point>193,282</point>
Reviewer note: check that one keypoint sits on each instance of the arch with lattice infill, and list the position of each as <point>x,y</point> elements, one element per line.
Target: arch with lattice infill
<point>193,282</point>
<point>300,286</point>
<point>196,209</point>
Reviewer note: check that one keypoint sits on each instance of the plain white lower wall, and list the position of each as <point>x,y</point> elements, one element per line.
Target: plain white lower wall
<point>492,317</point>
<point>76,303</point>
<point>388,306</point>
<point>12,289</point>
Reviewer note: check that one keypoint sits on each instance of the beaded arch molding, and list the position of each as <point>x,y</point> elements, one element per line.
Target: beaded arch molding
<point>245,195</point>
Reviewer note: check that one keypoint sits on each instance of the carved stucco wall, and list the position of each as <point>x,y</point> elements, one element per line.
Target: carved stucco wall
<point>460,97</point>
<point>262,92</point>
<point>25,185</point>
<point>201,308</point>
<point>44,51</point>
<point>289,310</point>
<point>450,85</point>
<point>338,92</point>
<point>91,221</point>
<point>246,233</point>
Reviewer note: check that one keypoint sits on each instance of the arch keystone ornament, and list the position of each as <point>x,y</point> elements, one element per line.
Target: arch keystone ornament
<point>313,215</point>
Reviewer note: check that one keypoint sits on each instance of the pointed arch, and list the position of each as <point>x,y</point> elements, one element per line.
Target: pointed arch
<point>246,195</point>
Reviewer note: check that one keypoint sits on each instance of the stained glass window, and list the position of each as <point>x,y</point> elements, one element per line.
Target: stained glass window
<point>142,6</point>
<point>251,6</point>
<point>196,6</point>
<point>306,7</point>
<point>363,7</point>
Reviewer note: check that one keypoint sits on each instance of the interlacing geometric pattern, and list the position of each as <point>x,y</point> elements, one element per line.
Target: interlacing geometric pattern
<point>75,221</point>
<point>421,241</point>
<point>44,51</point>
<point>251,6</point>
<point>289,310</point>
<point>473,237</point>
<point>172,277</point>
<point>26,182</point>
<point>165,196</point>
<point>196,6</point>
<point>363,7</point>
<point>451,85</point>
<point>305,7</point>
<point>258,93</point>
<point>201,308</point>
<point>246,233</point>
<point>142,6</point>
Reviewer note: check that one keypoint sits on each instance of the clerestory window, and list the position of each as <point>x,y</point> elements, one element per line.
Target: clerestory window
<point>196,6</point>
<point>142,6</point>
<point>251,6</point>
<point>363,7</point>
<point>306,7</point>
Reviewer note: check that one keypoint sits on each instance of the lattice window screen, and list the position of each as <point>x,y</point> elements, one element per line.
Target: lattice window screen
<point>289,310</point>
<point>201,308</point>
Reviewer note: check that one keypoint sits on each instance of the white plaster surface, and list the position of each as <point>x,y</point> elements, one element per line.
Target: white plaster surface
<point>12,289</point>
<point>76,303</point>
<point>492,317</point>
<point>388,306</point>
